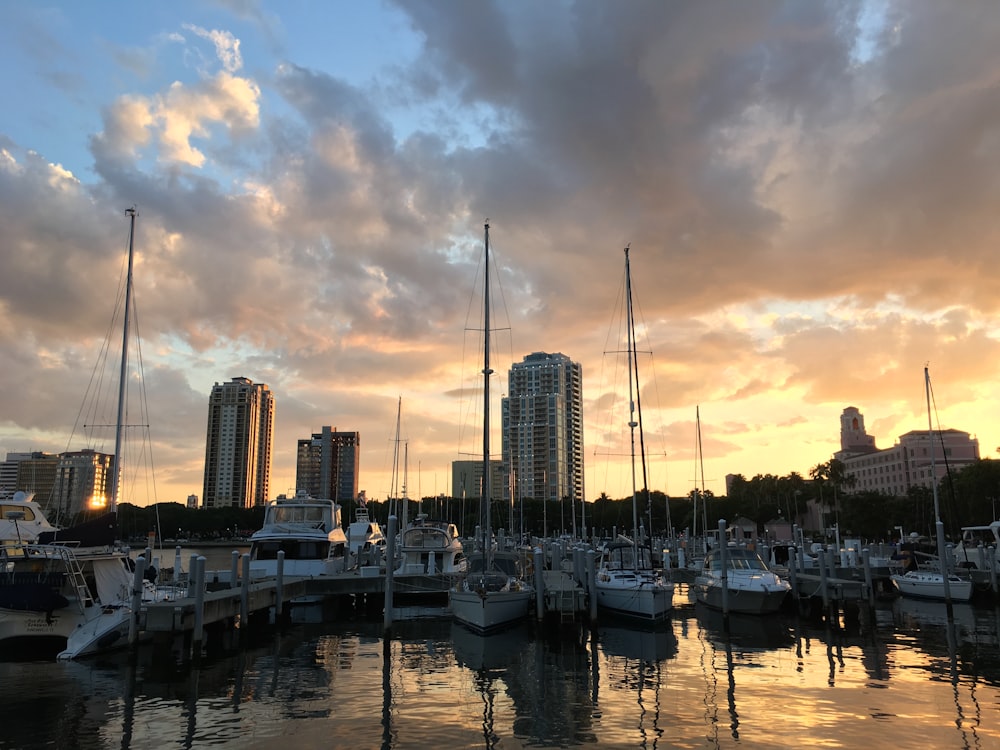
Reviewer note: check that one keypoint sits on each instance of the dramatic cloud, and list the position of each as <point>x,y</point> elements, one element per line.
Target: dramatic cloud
<point>807,189</point>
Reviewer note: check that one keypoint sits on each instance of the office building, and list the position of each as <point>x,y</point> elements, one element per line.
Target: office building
<point>238,445</point>
<point>326,464</point>
<point>542,417</point>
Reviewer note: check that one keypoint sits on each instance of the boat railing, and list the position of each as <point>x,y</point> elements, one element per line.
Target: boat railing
<point>47,553</point>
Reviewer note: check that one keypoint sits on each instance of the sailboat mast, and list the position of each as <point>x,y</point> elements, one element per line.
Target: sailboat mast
<point>930,437</point>
<point>938,523</point>
<point>394,487</point>
<point>123,372</point>
<point>487,371</point>
<point>632,373</point>
<point>701,474</point>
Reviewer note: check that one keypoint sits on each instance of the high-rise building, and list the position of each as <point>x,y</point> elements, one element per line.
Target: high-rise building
<point>33,472</point>
<point>238,445</point>
<point>467,479</point>
<point>326,465</point>
<point>82,483</point>
<point>543,428</point>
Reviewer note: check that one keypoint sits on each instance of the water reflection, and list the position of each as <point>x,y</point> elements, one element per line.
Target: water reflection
<point>741,639</point>
<point>492,659</point>
<point>905,670</point>
<point>635,660</point>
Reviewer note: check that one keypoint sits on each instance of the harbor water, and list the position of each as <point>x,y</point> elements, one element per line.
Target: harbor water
<point>902,675</point>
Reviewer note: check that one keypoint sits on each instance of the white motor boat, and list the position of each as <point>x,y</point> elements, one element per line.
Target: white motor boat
<point>743,578</point>
<point>430,546</point>
<point>976,546</point>
<point>365,540</point>
<point>307,530</point>
<point>628,585</point>
<point>65,601</point>
<point>929,584</point>
<point>22,520</point>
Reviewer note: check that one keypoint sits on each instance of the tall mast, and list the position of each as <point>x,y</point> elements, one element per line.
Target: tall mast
<point>938,523</point>
<point>123,372</point>
<point>633,372</point>
<point>485,509</point>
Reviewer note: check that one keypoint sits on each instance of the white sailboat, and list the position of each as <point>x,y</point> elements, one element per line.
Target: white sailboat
<point>71,590</point>
<point>627,584</point>
<point>941,584</point>
<point>493,594</point>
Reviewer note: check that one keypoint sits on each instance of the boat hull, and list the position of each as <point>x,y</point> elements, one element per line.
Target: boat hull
<point>40,633</point>
<point>635,597</point>
<point>489,611</point>
<point>760,599</point>
<point>928,585</point>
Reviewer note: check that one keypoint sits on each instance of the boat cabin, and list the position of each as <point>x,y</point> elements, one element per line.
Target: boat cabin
<point>737,558</point>
<point>622,556</point>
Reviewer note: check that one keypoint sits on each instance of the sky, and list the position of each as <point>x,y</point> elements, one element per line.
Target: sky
<point>808,191</point>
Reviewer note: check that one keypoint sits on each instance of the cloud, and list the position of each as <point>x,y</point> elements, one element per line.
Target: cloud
<point>227,47</point>
<point>810,219</point>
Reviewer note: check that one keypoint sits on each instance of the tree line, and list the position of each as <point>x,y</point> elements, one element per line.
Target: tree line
<point>966,497</point>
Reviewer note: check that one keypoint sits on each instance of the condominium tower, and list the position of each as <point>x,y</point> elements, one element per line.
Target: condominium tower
<point>238,445</point>
<point>543,428</point>
<point>326,464</point>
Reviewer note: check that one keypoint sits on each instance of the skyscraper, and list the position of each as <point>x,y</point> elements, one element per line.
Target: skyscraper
<point>238,445</point>
<point>543,428</point>
<point>326,465</point>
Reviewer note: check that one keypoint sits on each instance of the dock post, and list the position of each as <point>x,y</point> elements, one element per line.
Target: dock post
<point>866,561</point>
<point>245,598</point>
<point>592,583</point>
<point>279,587</point>
<point>723,555</point>
<point>945,570</point>
<point>538,557</point>
<point>390,546</point>
<point>177,565</point>
<point>793,554</point>
<point>822,583</point>
<point>991,561</point>
<point>234,570</point>
<point>199,605</point>
<point>137,578</point>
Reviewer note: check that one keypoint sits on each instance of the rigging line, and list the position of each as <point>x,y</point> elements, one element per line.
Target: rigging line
<point>617,316</point>
<point>944,453</point>
<point>92,395</point>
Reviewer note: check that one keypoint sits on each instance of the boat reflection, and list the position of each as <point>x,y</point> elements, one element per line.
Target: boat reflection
<point>746,632</point>
<point>729,643</point>
<point>637,643</point>
<point>635,660</point>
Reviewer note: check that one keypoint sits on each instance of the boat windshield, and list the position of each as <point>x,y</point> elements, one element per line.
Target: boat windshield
<point>973,536</point>
<point>737,559</point>
<point>623,557</point>
<point>307,514</point>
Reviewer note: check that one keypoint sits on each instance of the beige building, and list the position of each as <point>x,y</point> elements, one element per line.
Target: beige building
<point>894,470</point>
